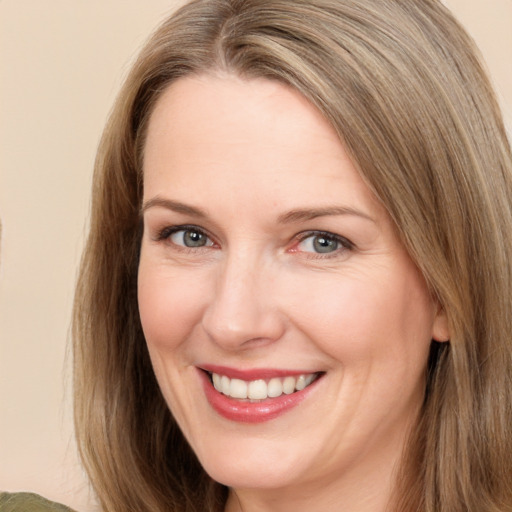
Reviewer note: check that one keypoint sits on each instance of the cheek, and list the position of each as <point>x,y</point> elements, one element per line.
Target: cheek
<point>364,319</point>
<point>170,305</point>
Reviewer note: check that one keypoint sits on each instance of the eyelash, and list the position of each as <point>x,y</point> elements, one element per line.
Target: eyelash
<point>166,233</point>
<point>343,243</point>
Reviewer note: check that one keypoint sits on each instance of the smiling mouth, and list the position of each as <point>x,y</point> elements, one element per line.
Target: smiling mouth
<point>261,389</point>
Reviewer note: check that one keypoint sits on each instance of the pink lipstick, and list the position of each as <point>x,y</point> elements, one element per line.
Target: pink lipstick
<point>255,396</point>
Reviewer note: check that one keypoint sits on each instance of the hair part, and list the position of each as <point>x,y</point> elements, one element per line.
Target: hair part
<point>403,85</point>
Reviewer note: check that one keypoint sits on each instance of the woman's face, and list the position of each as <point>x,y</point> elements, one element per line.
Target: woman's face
<point>269,268</point>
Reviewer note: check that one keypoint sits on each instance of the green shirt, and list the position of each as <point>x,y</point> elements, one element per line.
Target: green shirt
<point>28,502</point>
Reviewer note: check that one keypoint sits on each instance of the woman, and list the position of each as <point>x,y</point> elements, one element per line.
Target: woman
<point>296,288</point>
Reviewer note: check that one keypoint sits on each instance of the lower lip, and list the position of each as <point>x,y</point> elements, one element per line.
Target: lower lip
<point>252,412</point>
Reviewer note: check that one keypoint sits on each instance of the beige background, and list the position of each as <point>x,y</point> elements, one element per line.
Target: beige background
<point>61,63</point>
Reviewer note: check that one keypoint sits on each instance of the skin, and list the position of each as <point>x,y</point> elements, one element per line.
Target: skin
<point>258,295</point>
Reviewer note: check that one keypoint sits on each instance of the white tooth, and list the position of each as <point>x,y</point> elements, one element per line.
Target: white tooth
<point>274,388</point>
<point>310,378</point>
<point>301,383</point>
<point>216,381</point>
<point>289,385</point>
<point>257,390</point>
<point>238,388</point>
<point>224,384</point>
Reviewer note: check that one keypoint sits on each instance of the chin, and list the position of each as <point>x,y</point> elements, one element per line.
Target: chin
<point>254,470</point>
<point>247,478</point>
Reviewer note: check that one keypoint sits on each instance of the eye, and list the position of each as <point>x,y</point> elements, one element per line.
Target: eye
<point>189,237</point>
<point>323,243</point>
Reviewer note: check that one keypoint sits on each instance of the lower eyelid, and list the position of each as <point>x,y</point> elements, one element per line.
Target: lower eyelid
<point>167,232</point>
<point>181,234</point>
<point>343,243</point>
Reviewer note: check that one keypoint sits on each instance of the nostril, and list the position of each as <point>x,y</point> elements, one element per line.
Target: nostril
<point>243,329</point>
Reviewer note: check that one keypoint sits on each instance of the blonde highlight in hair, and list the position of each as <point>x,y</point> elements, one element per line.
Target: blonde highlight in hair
<point>402,84</point>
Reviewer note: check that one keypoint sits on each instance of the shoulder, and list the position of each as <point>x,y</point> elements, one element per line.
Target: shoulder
<point>28,502</point>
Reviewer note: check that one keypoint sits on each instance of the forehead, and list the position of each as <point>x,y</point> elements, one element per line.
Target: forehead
<point>260,111</point>
<point>217,134</point>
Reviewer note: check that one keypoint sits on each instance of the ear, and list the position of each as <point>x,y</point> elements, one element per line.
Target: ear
<point>440,329</point>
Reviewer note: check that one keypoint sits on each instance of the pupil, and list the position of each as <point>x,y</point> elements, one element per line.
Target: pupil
<point>194,239</point>
<point>324,244</point>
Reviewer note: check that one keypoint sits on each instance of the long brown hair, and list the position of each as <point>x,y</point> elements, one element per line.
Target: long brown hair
<point>402,84</point>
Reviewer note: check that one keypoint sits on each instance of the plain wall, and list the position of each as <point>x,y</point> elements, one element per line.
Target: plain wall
<point>61,63</point>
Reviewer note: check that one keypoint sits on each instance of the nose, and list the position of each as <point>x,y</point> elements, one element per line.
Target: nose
<point>243,312</point>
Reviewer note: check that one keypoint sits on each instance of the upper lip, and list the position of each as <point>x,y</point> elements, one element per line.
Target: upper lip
<point>253,373</point>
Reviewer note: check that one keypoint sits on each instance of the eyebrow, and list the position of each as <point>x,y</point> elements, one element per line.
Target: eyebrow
<point>301,215</point>
<point>175,206</point>
<point>296,215</point>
